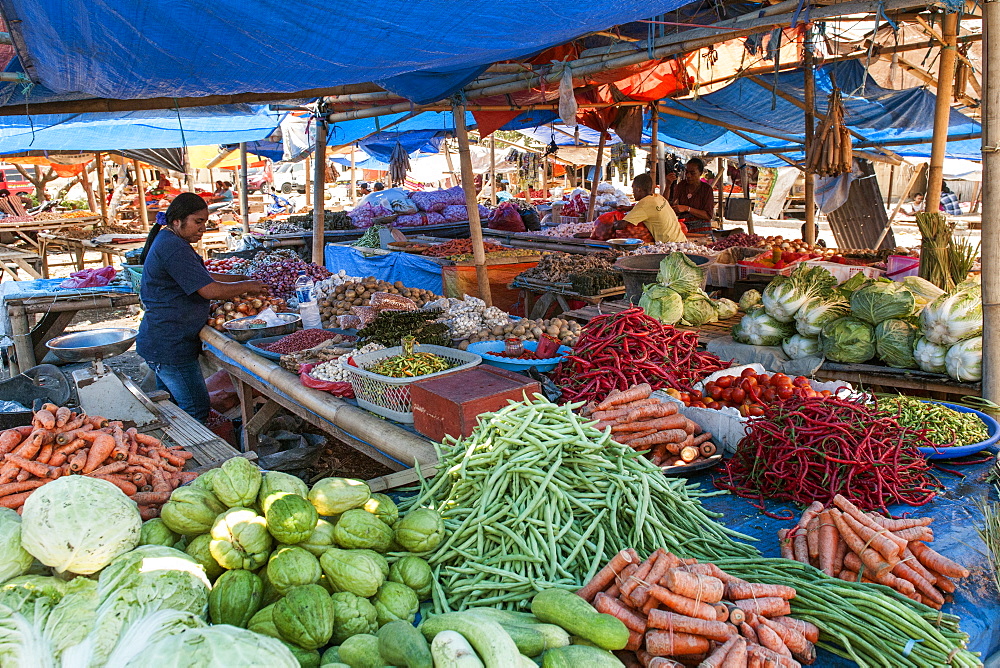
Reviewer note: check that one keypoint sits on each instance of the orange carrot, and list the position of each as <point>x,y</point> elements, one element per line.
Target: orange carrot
<point>37,469</point>
<point>18,487</point>
<point>14,500</point>
<point>671,621</point>
<point>652,411</point>
<point>629,436</point>
<point>769,657</point>
<point>102,448</point>
<point>150,498</point>
<point>770,639</point>
<point>937,562</point>
<point>149,512</point>
<point>874,527</point>
<point>74,423</point>
<point>785,543</point>
<point>79,460</point>
<point>639,577</point>
<point>827,543</point>
<point>883,543</point>
<point>886,577</point>
<point>702,438</point>
<point>634,393</point>
<point>9,440</point>
<point>747,632</point>
<point>812,539</point>
<point>943,583</point>
<point>44,454</point>
<point>67,436</point>
<point>718,656</point>
<point>63,415</point>
<point>603,578</point>
<point>657,437</point>
<point>108,469</point>
<point>800,542</point>
<point>737,655</point>
<point>682,604</point>
<point>44,419</point>
<point>924,534</point>
<point>649,661</point>
<point>923,585</point>
<point>898,525</point>
<point>98,421</point>
<point>739,591</point>
<point>692,585</point>
<point>664,561</point>
<point>871,558</point>
<point>842,549</point>
<point>119,481</point>
<point>668,422</point>
<point>808,630</point>
<point>71,447</point>
<point>769,606</point>
<point>666,643</point>
<point>803,650</point>
<point>610,606</point>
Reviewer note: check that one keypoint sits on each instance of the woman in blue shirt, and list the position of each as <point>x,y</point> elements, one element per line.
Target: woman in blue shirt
<point>176,292</point>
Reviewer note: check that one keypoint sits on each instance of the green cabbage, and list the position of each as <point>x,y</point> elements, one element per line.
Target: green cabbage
<point>798,347</point>
<point>930,356</point>
<point>14,559</point>
<point>954,316</point>
<point>679,273</point>
<point>817,311</point>
<point>784,296</point>
<point>395,601</point>
<point>894,341</point>
<point>699,309</point>
<point>662,303</point>
<point>853,284</point>
<point>351,615</point>
<point>964,360</point>
<point>220,646</point>
<point>882,300</point>
<point>757,328</point>
<point>749,299</point>
<point>78,524</point>
<point>71,619</point>
<point>154,574</point>
<point>20,592</point>
<point>725,308</point>
<point>924,292</point>
<point>421,530</point>
<point>848,340</point>
<point>415,573</point>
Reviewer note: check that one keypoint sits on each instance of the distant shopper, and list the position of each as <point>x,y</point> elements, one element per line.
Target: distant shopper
<point>379,186</point>
<point>949,202</point>
<point>651,212</point>
<point>163,183</point>
<point>691,198</point>
<point>914,206</point>
<point>363,188</point>
<point>223,197</point>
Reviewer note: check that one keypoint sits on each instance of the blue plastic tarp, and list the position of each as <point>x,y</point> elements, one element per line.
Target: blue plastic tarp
<point>133,49</point>
<point>108,131</point>
<point>875,113</point>
<point>414,271</point>
<point>567,136</point>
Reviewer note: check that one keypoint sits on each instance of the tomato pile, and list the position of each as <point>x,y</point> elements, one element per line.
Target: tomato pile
<point>749,392</point>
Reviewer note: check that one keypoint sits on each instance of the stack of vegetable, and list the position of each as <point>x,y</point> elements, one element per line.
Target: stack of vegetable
<point>334,369</point>
<point>464,317</point>
<point>338,299</point>
<point>567,331</point>
<point>645,424</point>
<point>941,425</point>
<point>951,330</point>
<point>772,320</point>
<point>528,502</point>
<point>750,392</point>
<point>389,327</point>
<point>811,449</point>
<point>695,612</point>
<point>846,543</point>
<point>562,268</point>
<point>677,296</point>
<point>59,443</point>
<point>739,239</point>
<point>304,339</point>
<point>616,352</point>
<point>279,269</point>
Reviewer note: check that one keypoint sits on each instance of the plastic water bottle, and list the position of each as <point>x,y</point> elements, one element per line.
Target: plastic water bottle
<point>308,307</point>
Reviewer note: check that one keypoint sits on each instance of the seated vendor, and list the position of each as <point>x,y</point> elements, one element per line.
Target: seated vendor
<point>692,198</point>
<point>651,219</point>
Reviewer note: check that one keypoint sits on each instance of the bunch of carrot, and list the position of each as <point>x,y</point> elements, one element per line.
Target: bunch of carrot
<point>847,543</point>
<point>60,442</point>
<point>644,423</point>
<point>684,613</point>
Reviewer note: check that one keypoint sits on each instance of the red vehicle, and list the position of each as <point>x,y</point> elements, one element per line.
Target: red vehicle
<point>12,180</point>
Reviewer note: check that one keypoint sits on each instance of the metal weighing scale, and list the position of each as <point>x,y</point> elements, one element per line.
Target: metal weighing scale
<point>100,389</point>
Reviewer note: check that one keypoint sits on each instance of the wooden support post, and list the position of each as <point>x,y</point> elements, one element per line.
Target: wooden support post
<point>102,191</point>
<point>654,148</point>
<point>319,190</point>
<point>810,118</point>
<point>888,194</point>
<point>942,110</point>
<point>140,183</point>
<point>189,172</point>
<point>493,172</point>
<point>308,178</point>
<point>244,195</point>
<point>597,177</point>
<point>991,201</point>
<point>469,186</point>
<point>88,188</point>
<point>354,182</point>
<point>745,183</point>
<point>720,177</point>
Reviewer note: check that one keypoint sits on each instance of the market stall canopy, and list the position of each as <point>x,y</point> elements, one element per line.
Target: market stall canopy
<point>766,121</point>
<point>133,49</point>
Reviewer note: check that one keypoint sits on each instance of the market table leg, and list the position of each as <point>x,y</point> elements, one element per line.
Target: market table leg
<point>50,326</point>
<point>245,394</point>
<point>541,306</point>
<point>80,261</point>
<point>20,332</point>
<point>28,269</point>
<point>260,419</point>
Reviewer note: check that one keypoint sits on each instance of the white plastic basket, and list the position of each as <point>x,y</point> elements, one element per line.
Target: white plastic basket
<point>390,397</point>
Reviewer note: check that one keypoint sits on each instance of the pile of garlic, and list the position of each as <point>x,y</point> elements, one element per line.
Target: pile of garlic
<point>336,370</point>
<point>469,315</point>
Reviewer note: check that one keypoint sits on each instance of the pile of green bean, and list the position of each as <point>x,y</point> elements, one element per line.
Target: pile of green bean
<point>537,498</point>
<point>869,624</point>
<point>944,426</point>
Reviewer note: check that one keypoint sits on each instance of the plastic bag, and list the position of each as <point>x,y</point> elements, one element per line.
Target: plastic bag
<point>366,314</point>
<point>338,389</point>
<point>364,215</point>
<point>604,226</point>
<point>506,218</point>
<point>89,278</point>
<point>567,98</point>
<point>437,200</point>
<point>348,322</point>
<point>420,219</point>
<point>386,301</point>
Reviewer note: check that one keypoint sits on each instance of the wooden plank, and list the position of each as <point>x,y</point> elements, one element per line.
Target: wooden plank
<point>51,326</point>
<point>400,478</point>
<point>208,449</point>
<point>263,415</point>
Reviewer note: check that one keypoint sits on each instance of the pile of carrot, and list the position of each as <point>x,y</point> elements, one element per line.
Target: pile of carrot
<point>60,442</point>
<point>644,423</point>
<point>683,613</point>
<point>845,542</point>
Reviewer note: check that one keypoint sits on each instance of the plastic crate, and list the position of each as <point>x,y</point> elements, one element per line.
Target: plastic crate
<point>390,397</point>
<point>745,271</point>
<point>134,273</point>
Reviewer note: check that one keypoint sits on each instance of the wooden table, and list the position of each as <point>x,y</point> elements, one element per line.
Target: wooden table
<point>264,388</point>
<point>54,312</point>
<point>559,294</point>
<point>12,259</point>
<point>20,228</point>
<point>51,242</point>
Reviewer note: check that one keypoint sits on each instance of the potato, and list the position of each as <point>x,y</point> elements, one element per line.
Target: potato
<point>464,345</point>
<point>552,330</point>
<point>518,331</point>
<point>497,331</point>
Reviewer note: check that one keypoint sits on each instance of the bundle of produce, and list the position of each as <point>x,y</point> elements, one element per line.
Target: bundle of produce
<point>566,230</point>
<point>59,443</point>
<point>941,425</point>
<point>464,317</point>
<point>697,613</point>
<point>833,155</point>
<point>677,295</point>
<point>390,327</point>
<point>846,543</point>
<point>339,299</point>
<point>371,238</point>
<point>332,220</point>
<point>935,250</point>
<point>528,503</point>
<point>811,449</point>
<point>242,307</point>
<point>304,339</point>
<point>334,369</point>
<point>785,295</point>
<point>616,352</point>
<point>593,281</point>
<point>667,247</point>
<point>869,624</point>
<point>738,239</point>
<point>460,247</point>
<point>567,331</point>
<point>951,329</point>
<point>645,424</point>
<point>559,268</point>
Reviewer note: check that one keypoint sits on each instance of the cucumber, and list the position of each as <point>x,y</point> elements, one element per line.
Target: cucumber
<point>554,636</point>
<point>506,616</point>
<point>401,644</point>
<point>577,656</point>
<point>450,649</point>
<point>361,651</point>
<point>566,609</point>
<point>494,646</point>
<point>529,641</point>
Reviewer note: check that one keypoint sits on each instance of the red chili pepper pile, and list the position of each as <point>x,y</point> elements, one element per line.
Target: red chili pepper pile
<point>812,449</point>
<point>617,351</point>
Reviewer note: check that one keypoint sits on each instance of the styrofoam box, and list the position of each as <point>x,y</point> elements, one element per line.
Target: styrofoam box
<point>726,424</point>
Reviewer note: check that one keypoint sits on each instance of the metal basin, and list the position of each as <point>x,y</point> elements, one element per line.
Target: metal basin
<point>238,330</point>
<point>92,344</point>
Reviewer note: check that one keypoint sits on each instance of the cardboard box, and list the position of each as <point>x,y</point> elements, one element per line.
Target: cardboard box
<point>451,404</point>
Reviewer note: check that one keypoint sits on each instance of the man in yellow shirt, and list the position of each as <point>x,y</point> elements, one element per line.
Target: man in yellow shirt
<point>653,212</point>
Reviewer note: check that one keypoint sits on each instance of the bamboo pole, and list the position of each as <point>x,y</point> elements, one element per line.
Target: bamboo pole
<point>856,146</point>
<point>354,183</point>
<point>88,188</point>
<point>745,184</point>
<point>597,177</point>
<point>102,190</point>
<point>942,110</point>
<point>493,171</point>
<point>319,190</point>
<point>888,195</point>
<point>140,183</point>
<point>810,112</point>
<point>452,180</point>
<point>654,140</point>
<point>244,195</point>
<point>720,179</point>
<point>991,202</point>
<point>469,187</point>
<point>308,188</point>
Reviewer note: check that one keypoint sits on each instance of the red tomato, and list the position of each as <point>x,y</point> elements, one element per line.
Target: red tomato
<point>685,397</point>
<point>696,394</point>
<point>826,393</point>
<point>747,373</point>
<point>785,392</point>
<point>769,395</point>
<point>748,384</point>
<point>800,381</point>
<point>709,386</point>
<point>763,379</point>
<point>739,395</point>
<point>724,381</point>
<point>756,410</point>
<point>780,379</point>
<point>697,404</point>
<point>715,392</point>
<point>727,394</point>
<point>714,405</point>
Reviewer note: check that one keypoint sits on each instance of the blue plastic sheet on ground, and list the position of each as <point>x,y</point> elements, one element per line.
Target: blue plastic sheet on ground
<point>414,271</point>
<point>956,515</point>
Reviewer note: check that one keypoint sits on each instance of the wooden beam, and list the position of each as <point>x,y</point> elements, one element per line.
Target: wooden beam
<point>930,80</point>
<point>319,191</point>
<point>857,145</point>
<point>140,182</point>
<point>244,194</point>
<point>472,205</point>
<point>991,204</point>
<point>596,181</point>
<point>102,191</point>
<point>88,188</point>
<point>809,108</point>
<point>942,111</point>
